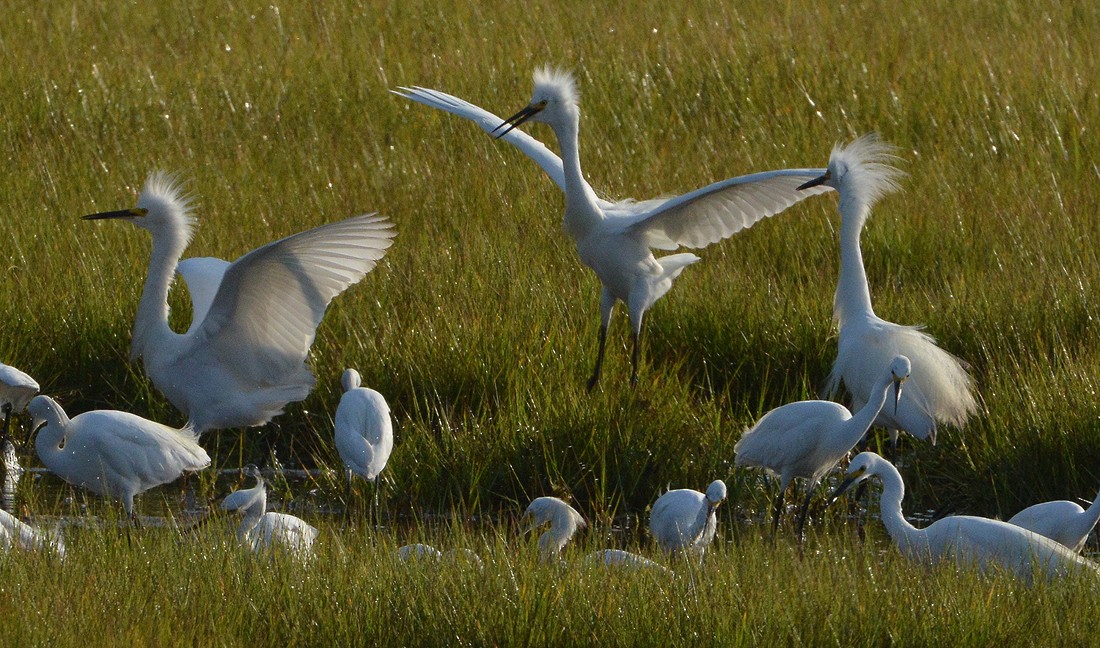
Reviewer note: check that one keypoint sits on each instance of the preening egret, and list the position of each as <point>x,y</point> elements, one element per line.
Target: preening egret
<point>939,391</point>
<point>614,239</point>
<point>16,390</point>
<point>564,522</point>
<point>623,559</point>
<point>806,439</point>
<point>111,453</point>
<point>364,431</point>
<point>969,541</point>
<point>243,358</point>
<point>261,529</point>
<point>1061,520</point>
<point>16,533</point>
<point>683,520</point>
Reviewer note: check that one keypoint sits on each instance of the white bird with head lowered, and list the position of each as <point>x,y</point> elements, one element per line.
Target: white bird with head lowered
<point>616,239</point>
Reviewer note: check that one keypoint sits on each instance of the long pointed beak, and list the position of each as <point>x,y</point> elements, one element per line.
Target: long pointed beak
<point>821,179</point>
<point>528,112</point>
<point>843,488</point>
<point>118,213</point>
<point>897,393</point>
<point>33,433</point>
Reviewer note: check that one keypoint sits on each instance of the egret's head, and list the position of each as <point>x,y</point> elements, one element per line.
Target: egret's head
<point>863,466</point>
<point>562,517</point>
<point>350,380</point>
<point>716,493</point>
<point>162,205</point>
<point>899,373</point>
<point>555,97</point>
<point>863,169</point>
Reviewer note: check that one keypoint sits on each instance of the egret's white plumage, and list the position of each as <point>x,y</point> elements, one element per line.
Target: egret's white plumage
<point>614,239</point>
<point>564,522</point>
<point>16,533</point>
<point>245,359</point>
<point>16,390</point>
<point>364,429</point>
<point>112,453</point>
<point>1063,521</point>
<point>806,439</point>
<point>420,551</point>
<point>969,541</point>
<point>623,559</point>
<point>261,529</point>
<point>940,390</point>
<point>684,520</point>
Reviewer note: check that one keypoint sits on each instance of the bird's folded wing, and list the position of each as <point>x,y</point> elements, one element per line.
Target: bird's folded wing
<point>270,301</point>
<point>202,275</point>
<point>780,437</point>
<point>722,209</point>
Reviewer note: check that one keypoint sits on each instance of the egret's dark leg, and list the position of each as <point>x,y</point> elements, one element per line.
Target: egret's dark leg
<point>599,359</point>
<point>376,514</point>
<point>635,356</point>
<point>7,422</point>
<point>777,512</point>
<point>347,499</point>
<point>803,513</point>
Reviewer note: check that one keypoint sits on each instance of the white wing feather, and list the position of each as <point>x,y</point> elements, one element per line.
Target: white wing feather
<point>202,275</point>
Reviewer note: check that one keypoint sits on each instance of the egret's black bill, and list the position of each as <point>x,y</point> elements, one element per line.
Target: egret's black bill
<point>118,213</point>
<point>813,183</point>
<point>515,120</point>
<point>843,488</point>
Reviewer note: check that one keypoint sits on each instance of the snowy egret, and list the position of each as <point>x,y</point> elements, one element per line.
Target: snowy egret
<point>364,432</point>
<point>244,360</point>
<point>967,540</point>
<point>564,522</point>
<point>683,520</point>
<point>939,391</point>
<point>112,453</point>
<point>806,439</point>
<point>16,390</point>
<point>1061,520</point>
<point>16,533</point>
<point>623,559</point>
<point>614,239</point>
<point>261,529</point>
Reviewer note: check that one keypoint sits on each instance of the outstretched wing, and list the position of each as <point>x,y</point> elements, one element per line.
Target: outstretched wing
<point>270,301</point>
<point>489,122</point>
<point>202,275</point>
<point>722,209</point>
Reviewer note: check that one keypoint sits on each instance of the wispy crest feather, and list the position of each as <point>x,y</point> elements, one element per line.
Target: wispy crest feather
<point>866,166</point>
<point>557,83</point>
<point>165,192</point>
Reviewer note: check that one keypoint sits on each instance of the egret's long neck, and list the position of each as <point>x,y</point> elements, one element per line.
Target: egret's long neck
<point>903,534</point>
<point>51,436</point>
<point>151,325</point>
<point>853,296</point>
<point>1092,513</point>
<point>581,209</point>
<point>702,519</point>
<point>251,516</point>
<point>857,426</point>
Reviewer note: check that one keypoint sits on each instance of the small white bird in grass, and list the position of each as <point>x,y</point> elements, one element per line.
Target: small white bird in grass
<point>806,439</point>
<point>364,432</point>
<point>421,551</point>
<point>1061,520</point>
<point>969,541</point>
<point>111,453</point>
<point>261,529</point>
<point>564,522</point>
<point>684,520</point>
<point>243,358</point>
<point>16,533</point>
<point>622,559</point>
<point>940,390</point>
<point>615,239</point>
<point>16,390</point>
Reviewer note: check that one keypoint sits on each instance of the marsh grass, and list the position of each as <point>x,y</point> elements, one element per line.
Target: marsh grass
<point>480,325</point>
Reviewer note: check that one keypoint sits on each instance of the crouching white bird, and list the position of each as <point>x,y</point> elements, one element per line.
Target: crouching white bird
<point>684,520</point>
<point>615,239</point>
<point>939,391</point>
<point>16,390</point>
<point>16,533</point>
<point>806,439</point>
<point>364,432</point>
<point>112,453</point>
<point>261,529</point>
<point>1063,521</point>
<point>968,541</point>
<point>564,522</point>
<point>243,357</point>
<point>618,558</point>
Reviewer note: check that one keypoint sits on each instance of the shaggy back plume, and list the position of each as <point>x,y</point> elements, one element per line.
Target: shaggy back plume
<point>865,168</point>
<point>555,84</point>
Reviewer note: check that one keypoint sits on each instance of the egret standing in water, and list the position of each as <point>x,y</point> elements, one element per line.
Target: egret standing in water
<point>1063,521</point>
<point>111,453</point>
<point>564,521</point>
<point>243,359</point>
<point>684,520</point>
<point>966,540</point>
<point>806,439</point>
<point>615,239</point>
<point>16,390</point>
<point>261,529</point>
<point>939,391</point>
<point>364,432</point>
